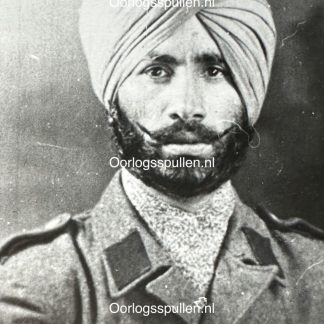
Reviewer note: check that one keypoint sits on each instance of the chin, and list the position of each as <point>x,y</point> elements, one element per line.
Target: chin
<point>183,182</point>
<point>229,155</point>
<point>193,181</point>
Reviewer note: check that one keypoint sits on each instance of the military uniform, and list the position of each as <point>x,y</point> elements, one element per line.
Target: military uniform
<point>72,271</point>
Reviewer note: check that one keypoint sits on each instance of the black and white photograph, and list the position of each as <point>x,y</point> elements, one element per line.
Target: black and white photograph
<point>161,162</point>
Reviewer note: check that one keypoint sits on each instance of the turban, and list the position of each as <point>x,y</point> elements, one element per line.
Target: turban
<point>116,38</point>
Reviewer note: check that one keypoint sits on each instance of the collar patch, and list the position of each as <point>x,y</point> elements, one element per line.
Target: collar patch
<point>261,248</point>
<point>128,260</point>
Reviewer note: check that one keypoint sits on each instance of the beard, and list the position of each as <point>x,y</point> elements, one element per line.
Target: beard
<point>230,149</point>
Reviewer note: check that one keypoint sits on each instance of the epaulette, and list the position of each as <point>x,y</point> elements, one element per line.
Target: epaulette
<point>292,224</point>
<point>19,241</point>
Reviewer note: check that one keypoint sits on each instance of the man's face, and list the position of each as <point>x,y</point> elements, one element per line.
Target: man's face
<point>180,102</point>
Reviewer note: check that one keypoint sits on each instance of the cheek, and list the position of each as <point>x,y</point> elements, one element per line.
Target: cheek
<point>141,102</point>
<point>223,106</point>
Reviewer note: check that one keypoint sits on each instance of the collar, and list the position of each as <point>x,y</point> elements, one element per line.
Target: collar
<point>192,239</point>
<point>131,256</point>
<point>143,197</point>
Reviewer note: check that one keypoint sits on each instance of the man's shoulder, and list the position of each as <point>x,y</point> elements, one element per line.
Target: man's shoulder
<point>293,225</point>
<point>42,271</point>
<point>293,245</point>
<point>55,239</point>
<point>299,247</point>
<point>71,235</point>
<point>296,236</point>
<point>267,223</point>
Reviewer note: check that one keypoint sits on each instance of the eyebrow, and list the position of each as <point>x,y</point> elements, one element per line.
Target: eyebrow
<point>207,58</point>
<point>204,58</point>
<point>166,59</point>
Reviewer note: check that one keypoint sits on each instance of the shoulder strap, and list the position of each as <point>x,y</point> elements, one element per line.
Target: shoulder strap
<point>292,224</point>
<point>19,241</point>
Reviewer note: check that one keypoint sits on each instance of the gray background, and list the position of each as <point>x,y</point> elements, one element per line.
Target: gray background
<point>54,142</point>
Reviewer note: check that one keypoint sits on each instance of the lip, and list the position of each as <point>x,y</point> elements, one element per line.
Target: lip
<point>183,138</point>
<point>200,150</point>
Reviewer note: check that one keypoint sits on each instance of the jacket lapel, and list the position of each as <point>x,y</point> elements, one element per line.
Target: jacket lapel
<point>131,256</point>
<point>127,251</point>
<point>246,269</point>
<point>174,290</point>
<point>236,287</point>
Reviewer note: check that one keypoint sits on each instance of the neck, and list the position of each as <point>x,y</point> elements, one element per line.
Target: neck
<point>189,204</point>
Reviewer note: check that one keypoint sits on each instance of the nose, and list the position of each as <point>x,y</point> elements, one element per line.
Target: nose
<point>186,103</point>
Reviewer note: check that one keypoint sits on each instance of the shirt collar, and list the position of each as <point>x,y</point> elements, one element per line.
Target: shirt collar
<point>192,240</point>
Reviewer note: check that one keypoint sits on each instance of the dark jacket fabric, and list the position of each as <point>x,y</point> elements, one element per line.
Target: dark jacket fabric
<point>102,265</point>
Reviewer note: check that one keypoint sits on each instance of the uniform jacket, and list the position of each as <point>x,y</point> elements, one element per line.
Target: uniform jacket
<point>76,268</point>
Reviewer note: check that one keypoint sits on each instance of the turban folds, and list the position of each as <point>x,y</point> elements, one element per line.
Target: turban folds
<point>115,39</point>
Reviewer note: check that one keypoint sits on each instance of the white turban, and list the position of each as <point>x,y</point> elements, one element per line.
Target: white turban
<point>115,39</point>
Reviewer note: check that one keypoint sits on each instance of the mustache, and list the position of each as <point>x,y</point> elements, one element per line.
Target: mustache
<point>186,132</point>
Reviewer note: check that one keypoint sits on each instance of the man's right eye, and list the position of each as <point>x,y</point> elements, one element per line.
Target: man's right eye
<point>157,72</point>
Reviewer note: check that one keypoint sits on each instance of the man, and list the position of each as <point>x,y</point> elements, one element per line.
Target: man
<point>179,84</point>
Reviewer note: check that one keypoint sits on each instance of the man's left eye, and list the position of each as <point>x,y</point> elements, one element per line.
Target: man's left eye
<point>213,72</point>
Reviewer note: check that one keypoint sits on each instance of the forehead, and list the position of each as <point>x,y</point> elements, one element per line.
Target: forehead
<point>190,41</point>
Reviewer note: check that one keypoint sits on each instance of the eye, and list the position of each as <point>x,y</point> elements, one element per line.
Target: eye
<point>214,72</point>
<point>157,72</point>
